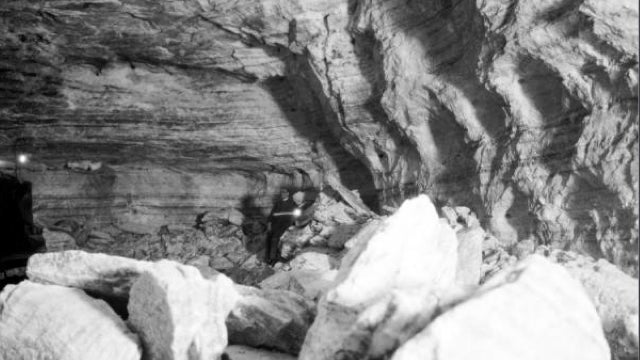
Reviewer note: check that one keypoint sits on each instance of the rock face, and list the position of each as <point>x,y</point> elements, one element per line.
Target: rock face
<point>387,287</point>
<point>534,311</point>
<point>178,314</point>
<point>54,322</point>
<point>524,111</point>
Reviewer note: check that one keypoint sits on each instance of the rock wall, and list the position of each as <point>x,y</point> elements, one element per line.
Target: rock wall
<point>525,112</point>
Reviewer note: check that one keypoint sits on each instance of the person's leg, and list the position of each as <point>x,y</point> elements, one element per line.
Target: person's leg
<point>267,248</point>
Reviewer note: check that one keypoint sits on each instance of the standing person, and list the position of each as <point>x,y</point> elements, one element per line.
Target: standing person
<point>280,219</point>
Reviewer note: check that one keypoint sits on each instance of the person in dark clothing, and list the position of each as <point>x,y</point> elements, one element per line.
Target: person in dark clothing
<point>280,219</point>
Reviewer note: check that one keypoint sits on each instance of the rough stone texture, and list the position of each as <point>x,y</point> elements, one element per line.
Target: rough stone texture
<point>533,311</point>
<point>471,238</point>
<point>615,296</point>
<point>106,275</point>
<point>387,287</point>
<point>58,240</point>
<point>273,319</point>
<point>524,111</point>
<point>50,322</point>
<point>180,315</point>
<point>469,268</point>
<point>237,352</point>
<point>311,275</point>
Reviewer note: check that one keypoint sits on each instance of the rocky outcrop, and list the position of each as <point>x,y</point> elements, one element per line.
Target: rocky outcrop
<point>533,311</point>
<point>270,318</point>
<point>54,322</point>
<point>525,112</point>
<point>387,287</point>
<point>180,315</point>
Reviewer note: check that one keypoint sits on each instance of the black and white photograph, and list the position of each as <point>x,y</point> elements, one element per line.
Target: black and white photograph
<point>319,179</point>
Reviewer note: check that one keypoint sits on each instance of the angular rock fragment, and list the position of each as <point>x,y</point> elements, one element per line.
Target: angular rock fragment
<point>470,240</point>
<point>533,311</point>
<point>54,322</point>
<point>273,319</point>
<point>58,240</point>
<point>387,286</point>
<point>179,314</point>
<point>311,274</point>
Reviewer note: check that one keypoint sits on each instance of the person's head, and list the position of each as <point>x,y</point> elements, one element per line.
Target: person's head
<point>298,198</point>
<point>284,194</point>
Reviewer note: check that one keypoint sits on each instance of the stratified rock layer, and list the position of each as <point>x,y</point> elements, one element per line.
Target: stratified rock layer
<point>51,322</point>
<point>524,111</point>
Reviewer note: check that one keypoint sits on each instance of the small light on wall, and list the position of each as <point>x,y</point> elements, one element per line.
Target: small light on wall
<point>23,159</point>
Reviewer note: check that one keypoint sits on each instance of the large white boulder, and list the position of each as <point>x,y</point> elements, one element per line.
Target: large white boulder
<point>178,314</point>
<point>103,274</point>
<point>387,286</point>
<point>533,311</point>
<point>614,295</point>
<point>50,322</point>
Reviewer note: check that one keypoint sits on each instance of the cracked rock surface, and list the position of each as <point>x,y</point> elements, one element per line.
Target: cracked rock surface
<point>525,112</point>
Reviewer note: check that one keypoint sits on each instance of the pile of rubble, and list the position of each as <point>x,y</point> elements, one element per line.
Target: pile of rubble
<point>420,284</point>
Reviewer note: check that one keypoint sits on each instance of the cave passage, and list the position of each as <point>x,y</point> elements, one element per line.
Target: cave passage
<point>19,237</point>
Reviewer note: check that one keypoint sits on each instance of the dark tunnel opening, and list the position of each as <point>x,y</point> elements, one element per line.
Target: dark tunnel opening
<point>20,237</point>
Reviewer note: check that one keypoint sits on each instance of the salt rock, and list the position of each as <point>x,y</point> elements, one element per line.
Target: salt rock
<point>533,311</point>
<point>53,322</point>
<point>239,352</point>
<point>106,275</point>
<point>614,295</point>
<point>270,318</point>
<point>179,314</point>
<point>58,240</point>
<point>331,211</point>
<point>468,271</point>
<point>342,234</point>
<point>311,275</point>
<point>235,217</point>
<point>387,287</point>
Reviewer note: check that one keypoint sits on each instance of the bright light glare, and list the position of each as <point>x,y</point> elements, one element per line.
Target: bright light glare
<point>297,212</point>
<point>23,158</point>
